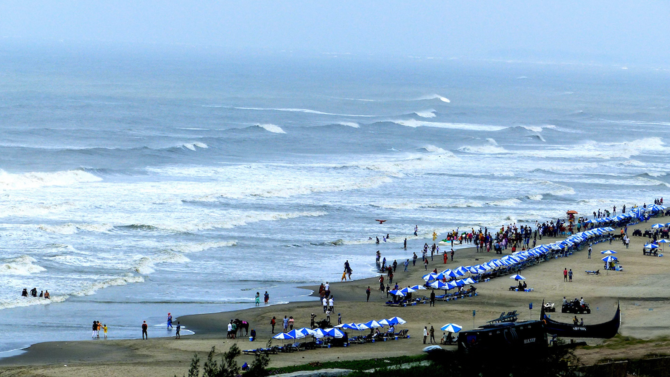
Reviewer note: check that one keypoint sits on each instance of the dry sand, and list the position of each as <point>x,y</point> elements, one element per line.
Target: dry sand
<point>642,290</point>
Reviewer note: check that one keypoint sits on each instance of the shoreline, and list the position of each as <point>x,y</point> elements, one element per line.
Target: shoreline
<point>350,300</point>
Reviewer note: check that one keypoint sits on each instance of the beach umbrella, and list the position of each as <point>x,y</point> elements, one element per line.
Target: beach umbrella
<point>397,293</point>
<point>371,324</point>
<point>663,241</point>
<point>306,331</point>
<point>396,321</point>
<point>295,334</point>
<point>429,277</point>
<point>407,290</point>
<point>283,336</point>
<point>417,287</point>
<point>451,327</point>
<point>350,326</point>
<point>451,285</point>
<point>461,270</point>
<point>459,283</point>
<point>474,270</point>
<point>517,277</point>
<point>658,226</point>
<point>650,246</point>
<point>609,259</point>
<point>438,285</point>
<point>608,252</point>
<point>334,333</point>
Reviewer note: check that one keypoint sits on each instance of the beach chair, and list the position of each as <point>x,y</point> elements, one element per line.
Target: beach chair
<point>250,352</point>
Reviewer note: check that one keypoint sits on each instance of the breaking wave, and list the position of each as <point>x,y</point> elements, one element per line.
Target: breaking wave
<point>271,128</point>
<point>426,113</point>
<point>23,265</point>
<point>194,145</point>
<point>307,111</point>
<point>454,126</point>
<point>433,96</point>
<point>33,180</point>
<point>349,124</point>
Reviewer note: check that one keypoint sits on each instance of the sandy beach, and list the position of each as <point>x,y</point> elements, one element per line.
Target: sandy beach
<point>641,290</point>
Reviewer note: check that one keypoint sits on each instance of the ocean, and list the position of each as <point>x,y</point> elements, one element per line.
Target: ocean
<point>137,183</point>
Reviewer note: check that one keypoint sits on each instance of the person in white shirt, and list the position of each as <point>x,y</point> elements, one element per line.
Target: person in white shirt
<point>331,303</point>
<point>425,334</point>
<point>327,286</point>
<point>325,304</point>
<point>581,302</point>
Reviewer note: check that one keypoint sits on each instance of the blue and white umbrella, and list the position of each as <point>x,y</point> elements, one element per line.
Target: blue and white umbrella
<point>407,290</point>
<point>334,333</point>
<point>451,285</point>
<point>663,241</point>
<point>438,285</point>
<point>468,281</point>
<point>283,336</point>
<point>397,293</point>
<point>370,325</point>
<point>396,321</point>
<point>429,277</point>
<point>306,331</point>
<point>461,270</point>
<point>459,283</point>
<point>517,277</point>
<point>451,327</point>
<point>658,226</point>
<point>350,326</point>
<point>609,259</point>
<point>607,252</point>
<point>417,287</point>
<point>650,246</point>
<point>295,334</point>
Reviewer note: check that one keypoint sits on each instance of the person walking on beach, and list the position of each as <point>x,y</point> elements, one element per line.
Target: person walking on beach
<point>565,274</point>
<point>273,322</point>
<point>331,303</point>
<point>414,258</point>
<point>266,296</point>
<point>324,302</point>
<point>169,321</point>
<point>445,257</point>
<point>104,328</point>
<point>178,334</point>
<point>405,243</point>
<point>452,255</point>
<point>95,328</point>
<point>570,275</point>
<point>258,299</point>
<point>590,249</point>
<point>432,298</point>
<point>406,265</point>
<point>432,335</point>
<point>97,332</point>
<point>425,334</point>
<point>425,264</point>
<point>285,324</point>
<point>145,327</point>
<point>367,293</point>
<point>395,265</point>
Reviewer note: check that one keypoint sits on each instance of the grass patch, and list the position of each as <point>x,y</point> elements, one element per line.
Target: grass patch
<point>357,365</point>
<point>620,342</point>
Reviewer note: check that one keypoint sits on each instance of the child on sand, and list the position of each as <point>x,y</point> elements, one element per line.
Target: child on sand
<point>104,329</point>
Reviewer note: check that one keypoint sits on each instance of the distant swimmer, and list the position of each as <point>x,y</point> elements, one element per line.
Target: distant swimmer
<point>33,292</point>
<point>25,292</point>
<point>416,230</point>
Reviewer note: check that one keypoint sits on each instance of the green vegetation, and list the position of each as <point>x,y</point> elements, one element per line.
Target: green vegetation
<point>228,367</point>
<point>358,365</point>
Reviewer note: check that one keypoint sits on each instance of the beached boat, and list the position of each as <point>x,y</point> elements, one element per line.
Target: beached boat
<point>566,330</point>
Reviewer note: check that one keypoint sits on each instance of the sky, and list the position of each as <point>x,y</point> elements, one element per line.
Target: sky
<point>620,31</point>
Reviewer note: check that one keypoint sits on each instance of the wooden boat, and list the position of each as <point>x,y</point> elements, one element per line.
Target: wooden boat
<point>566,330</point>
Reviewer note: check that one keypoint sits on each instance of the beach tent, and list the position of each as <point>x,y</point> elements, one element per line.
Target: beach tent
<point>451,327</point>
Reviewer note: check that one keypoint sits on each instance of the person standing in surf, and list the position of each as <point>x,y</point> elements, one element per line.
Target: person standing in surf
<point>169,321</point>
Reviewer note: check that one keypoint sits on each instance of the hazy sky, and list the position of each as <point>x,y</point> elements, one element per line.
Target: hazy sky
<point>622,31</point>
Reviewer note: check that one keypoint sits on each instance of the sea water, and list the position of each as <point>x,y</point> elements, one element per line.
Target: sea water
<point>134,184</point>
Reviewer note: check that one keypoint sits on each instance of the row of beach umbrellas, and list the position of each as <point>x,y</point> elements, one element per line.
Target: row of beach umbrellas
<point>434,279</point>
<point>337,331</point>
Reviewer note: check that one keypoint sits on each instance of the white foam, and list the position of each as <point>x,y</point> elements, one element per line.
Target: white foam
<point>349,124</point>
<point>505,203</point>
<point>145,265</point>
<point>32,180</point>
<point>539,128</point>
<point>483,149</point>
<point>94,287</point>
<point>534,197</point>
<point>22,265</point>
<point>455,126</point>
<point>434,96</point>
<point>194,145</point>
<point>434,149</point>
<point>197,247</point>
<point>272,128</point>
<point>426,113</point>
<point>74,228</point>
<point>307,111</point>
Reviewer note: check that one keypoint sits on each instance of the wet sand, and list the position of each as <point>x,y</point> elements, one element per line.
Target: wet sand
<point>642,290</point>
